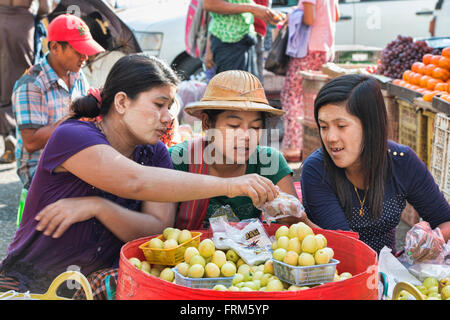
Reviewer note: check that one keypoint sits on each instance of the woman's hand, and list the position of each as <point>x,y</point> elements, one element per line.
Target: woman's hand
<point>267,14</point>
<point>57,217</point>
<point>259,189</point>
<point>424,243</point>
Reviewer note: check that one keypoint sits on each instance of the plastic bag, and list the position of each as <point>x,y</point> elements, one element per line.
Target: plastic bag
<point>423,244</point>
<point>225,211</point>
<point>284,205</point>
<point>278,61</point>
<point>248,238</point>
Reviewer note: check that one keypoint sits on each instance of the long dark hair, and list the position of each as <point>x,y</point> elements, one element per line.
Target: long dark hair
<point>362,98</point>
<point>131,74</point>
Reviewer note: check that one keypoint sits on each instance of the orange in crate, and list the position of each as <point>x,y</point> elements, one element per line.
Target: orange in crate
<point>444,63</point>
<point>443,86</point>
<point>415,78</point>
<point>429,68</point>
<point>418,67</point>
<point>435,59</point>
<point>426,59</point>
<point>169,257</point>
<point>441,74</point>
<point>424,81</point>
<point>446,52</point>
<point>432,83</point>
<point>429,96</point>
<point>406,75</point>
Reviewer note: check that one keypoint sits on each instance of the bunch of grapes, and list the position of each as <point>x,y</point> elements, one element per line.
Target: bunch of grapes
<point>400,54</point>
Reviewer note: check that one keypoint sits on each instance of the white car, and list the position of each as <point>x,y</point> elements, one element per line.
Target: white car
<point>159,25</point>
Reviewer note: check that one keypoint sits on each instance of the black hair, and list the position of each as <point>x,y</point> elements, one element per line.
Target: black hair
<point>362,97</point>
<point>131,74</point>
<point>214,113</point>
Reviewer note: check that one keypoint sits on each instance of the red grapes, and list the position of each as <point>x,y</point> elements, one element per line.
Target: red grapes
<point>400,54</point>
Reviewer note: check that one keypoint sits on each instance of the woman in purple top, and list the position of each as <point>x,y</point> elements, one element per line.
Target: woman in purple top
<point>89,159</point>
<point>359,180</point>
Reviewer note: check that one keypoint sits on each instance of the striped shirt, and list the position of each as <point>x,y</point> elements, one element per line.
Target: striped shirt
<point>41,98</point>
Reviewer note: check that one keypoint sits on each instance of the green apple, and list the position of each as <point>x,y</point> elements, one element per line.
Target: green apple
<point>430,282</point>
<point>184,236</point>
<point>167,274</point>
<point>445,292</point>
<point>197,259</point>
<point>135,262</point>
<point>155,243</point>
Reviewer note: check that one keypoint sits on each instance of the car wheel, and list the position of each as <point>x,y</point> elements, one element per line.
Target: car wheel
<point>189,67</point>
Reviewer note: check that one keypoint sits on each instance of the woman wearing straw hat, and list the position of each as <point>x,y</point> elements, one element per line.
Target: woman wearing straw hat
<point>232,112</point>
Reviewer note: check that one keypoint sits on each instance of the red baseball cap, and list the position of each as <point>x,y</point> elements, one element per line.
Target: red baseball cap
<point>70,28</point>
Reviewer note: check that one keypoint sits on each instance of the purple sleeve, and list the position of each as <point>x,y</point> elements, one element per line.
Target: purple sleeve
<point>162,156</point>
<point>69,138</point>
<point>320,201</point>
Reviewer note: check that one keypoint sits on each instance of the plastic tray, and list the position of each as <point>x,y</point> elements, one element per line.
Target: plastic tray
<point>307,275</point>
<point>198,283</point>
<point>169,257</point>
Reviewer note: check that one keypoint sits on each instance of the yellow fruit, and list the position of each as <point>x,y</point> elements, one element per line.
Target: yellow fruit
<point>294,245</point>
<point>274,245</point>
<point>257,275</point>
<point>309,244</point>
<point>240,263</point>
<point>155,272</point>
<point>166,232</point>
<point>198,259</point>
<point>320,241</point>
<point>329,251</point>
<point>170,243</point>
<point>167,274</point>
<point>294,288</point>
<point>233,288</point>
<point>196,271</point>
<point>184,236</point>
<point>265,279</point>
<point>274,285</point>
<point>189,253</point>
<point>306,259</point>
<point>232,255</point>
<point>282,231</point>
<point>303,230</point>
<point>445,292</point>
<point>135,262</point>
<point>228,269</point>
<point>145,266</point>
<point>173,234</point>
<point>245,289</point>
<point>220,287</point>
<point>291,258</point>
<point>283,242</point>
<point>279,254</point>
<point>238,278</point>
<point>293,231</point>
<point>321,257</point>
<point>183,268</point>
<point>268,267</point>
<point>245,270</point>
<point>219,258</point>
<point>212,270</point>
<point>345,275</point>
<point>206,248</point>
<point>325,242</point>
<point>156,243</point>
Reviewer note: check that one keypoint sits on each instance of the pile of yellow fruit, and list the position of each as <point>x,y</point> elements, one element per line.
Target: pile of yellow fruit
<point>432,289</point>
<point>297,245</point>
<point>172,237</point>
<point>156,270</point>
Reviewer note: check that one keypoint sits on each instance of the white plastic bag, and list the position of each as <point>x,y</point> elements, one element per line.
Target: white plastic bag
<point>284,205</point>
<point>248,238</point>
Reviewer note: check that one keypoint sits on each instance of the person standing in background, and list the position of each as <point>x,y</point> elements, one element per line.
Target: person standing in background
<point>17,21</point>
<point>232,35</point>
<point>321,16</point>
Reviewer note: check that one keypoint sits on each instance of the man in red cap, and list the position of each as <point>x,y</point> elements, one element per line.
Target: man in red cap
<point>42,96</point>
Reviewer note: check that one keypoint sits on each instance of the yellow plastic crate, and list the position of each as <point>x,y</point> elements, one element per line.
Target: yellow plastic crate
<point>169,257</point>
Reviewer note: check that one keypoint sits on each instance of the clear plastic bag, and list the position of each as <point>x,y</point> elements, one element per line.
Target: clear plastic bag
<point>284,205</point>
<point>423,244</point>
<point>247,237</point>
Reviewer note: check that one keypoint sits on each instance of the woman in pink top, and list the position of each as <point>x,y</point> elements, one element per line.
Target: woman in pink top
<point>321,15</point>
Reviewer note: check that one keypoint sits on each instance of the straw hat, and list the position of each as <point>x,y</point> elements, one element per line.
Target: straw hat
<point>233,90</point>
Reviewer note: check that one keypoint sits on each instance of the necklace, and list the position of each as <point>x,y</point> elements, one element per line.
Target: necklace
<point>361,210</point>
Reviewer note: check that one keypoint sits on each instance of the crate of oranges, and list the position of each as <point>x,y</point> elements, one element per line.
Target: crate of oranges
<point>169,247</point>
<point>430,77</point>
